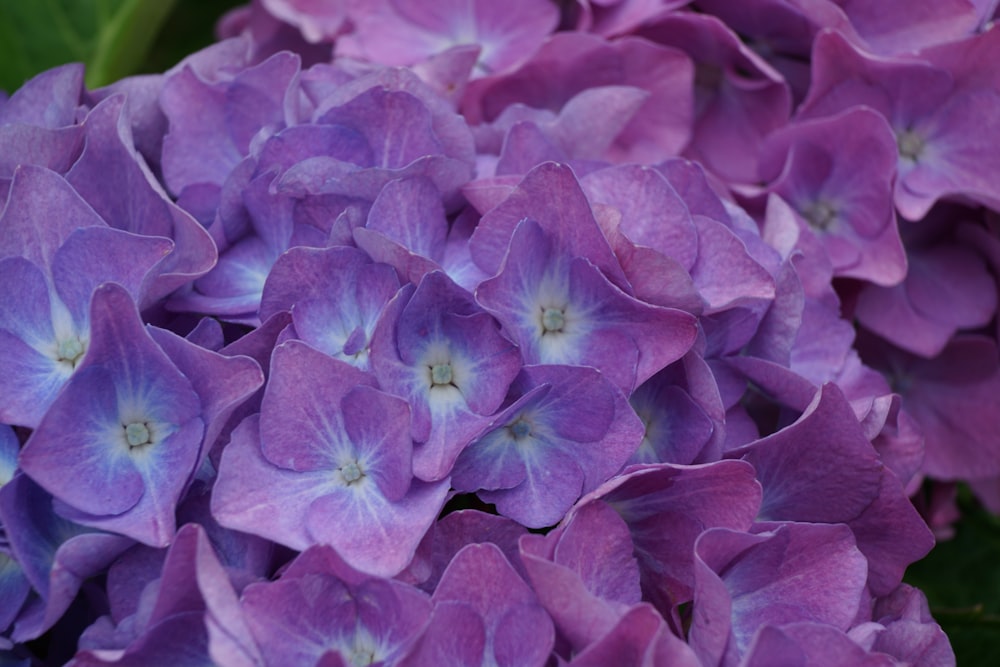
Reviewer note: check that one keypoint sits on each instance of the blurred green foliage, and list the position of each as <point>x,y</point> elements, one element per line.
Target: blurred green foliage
<point>114,38</point>
<point>961,578</point>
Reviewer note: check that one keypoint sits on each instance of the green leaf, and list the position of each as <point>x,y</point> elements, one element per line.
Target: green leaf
<point>961,580</point>
<point>112,37</point>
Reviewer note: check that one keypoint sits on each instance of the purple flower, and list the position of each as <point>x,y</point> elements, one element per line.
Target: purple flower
<point>949,396</point>
<point>906,631</point>
<point>48,274</point>
<point>192,598</point>
<point>213,122</point>
<point>666,508</point>
<point>454,531</point>
<point>125,432</point>
<point>818,643</point>
<point>9,448</point>
<point>746,582</point>
<point>568,431</point>
<point>55,555</point>
<point>484,614</point>
<point>318,21</point>
<point>616,17</point>
<point>335,295</point>
<point>837,173</point>
<point>738,98</point>
<point>407,229</point>
<point>561,309</point>
<point>538,333</point>
<point>322,612</point>
<point>122,440</point>
<point>584,573</point>
<point>897,29</point>
<point>676,428</point>
<point>328,461</point>
<point>439,350</point>
<point>942,108</point>
<point>641,637</point>
<point>627,100</point>
<point>405,32</point>
<point>822,469</point>
<point>947,288</point>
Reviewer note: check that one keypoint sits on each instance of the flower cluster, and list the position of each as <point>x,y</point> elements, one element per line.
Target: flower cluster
<point>411,333</point>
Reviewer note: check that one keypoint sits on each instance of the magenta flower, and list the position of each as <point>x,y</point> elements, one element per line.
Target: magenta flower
<point>837,173</point>
<point>942,109</point>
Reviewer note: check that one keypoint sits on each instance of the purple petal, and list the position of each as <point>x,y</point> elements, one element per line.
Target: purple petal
<point>801,572</point>
<point>253,496</point>
<point>301,426</point>
<point>455,635</point>
<point>80,453</point>
<point>383,536</point>
<point>518,631</point>
<point>49,99</point>
<point>94,255</point>
<point>39,194</point>
<point>140,423</point>
<point>551,196</point>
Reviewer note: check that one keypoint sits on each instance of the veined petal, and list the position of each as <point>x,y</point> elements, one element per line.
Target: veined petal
<point>127,428</point>
<point>371,533</point>
<point>301,425</point>
<point>80,453</point>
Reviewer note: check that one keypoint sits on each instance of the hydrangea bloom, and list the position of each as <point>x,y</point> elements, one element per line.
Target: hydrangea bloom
<point>580,333</point>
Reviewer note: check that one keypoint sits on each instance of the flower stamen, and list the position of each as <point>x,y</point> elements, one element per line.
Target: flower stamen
<point>910,144</point>
<point>351,473</point>
<point>820,214</point>
<point>553,320</point>
<point>137,434</point>
<point>441,374</point>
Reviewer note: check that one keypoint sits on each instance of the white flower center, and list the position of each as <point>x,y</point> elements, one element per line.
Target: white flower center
<point>553,320</point>
<point>137,434</point>
<point>911,145</point>
<point>70,351</point>
<point>351,472</point>
<point>519,429</point>
<point>441,374</point>
<point>362,657</point>
<point>820,214</point>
